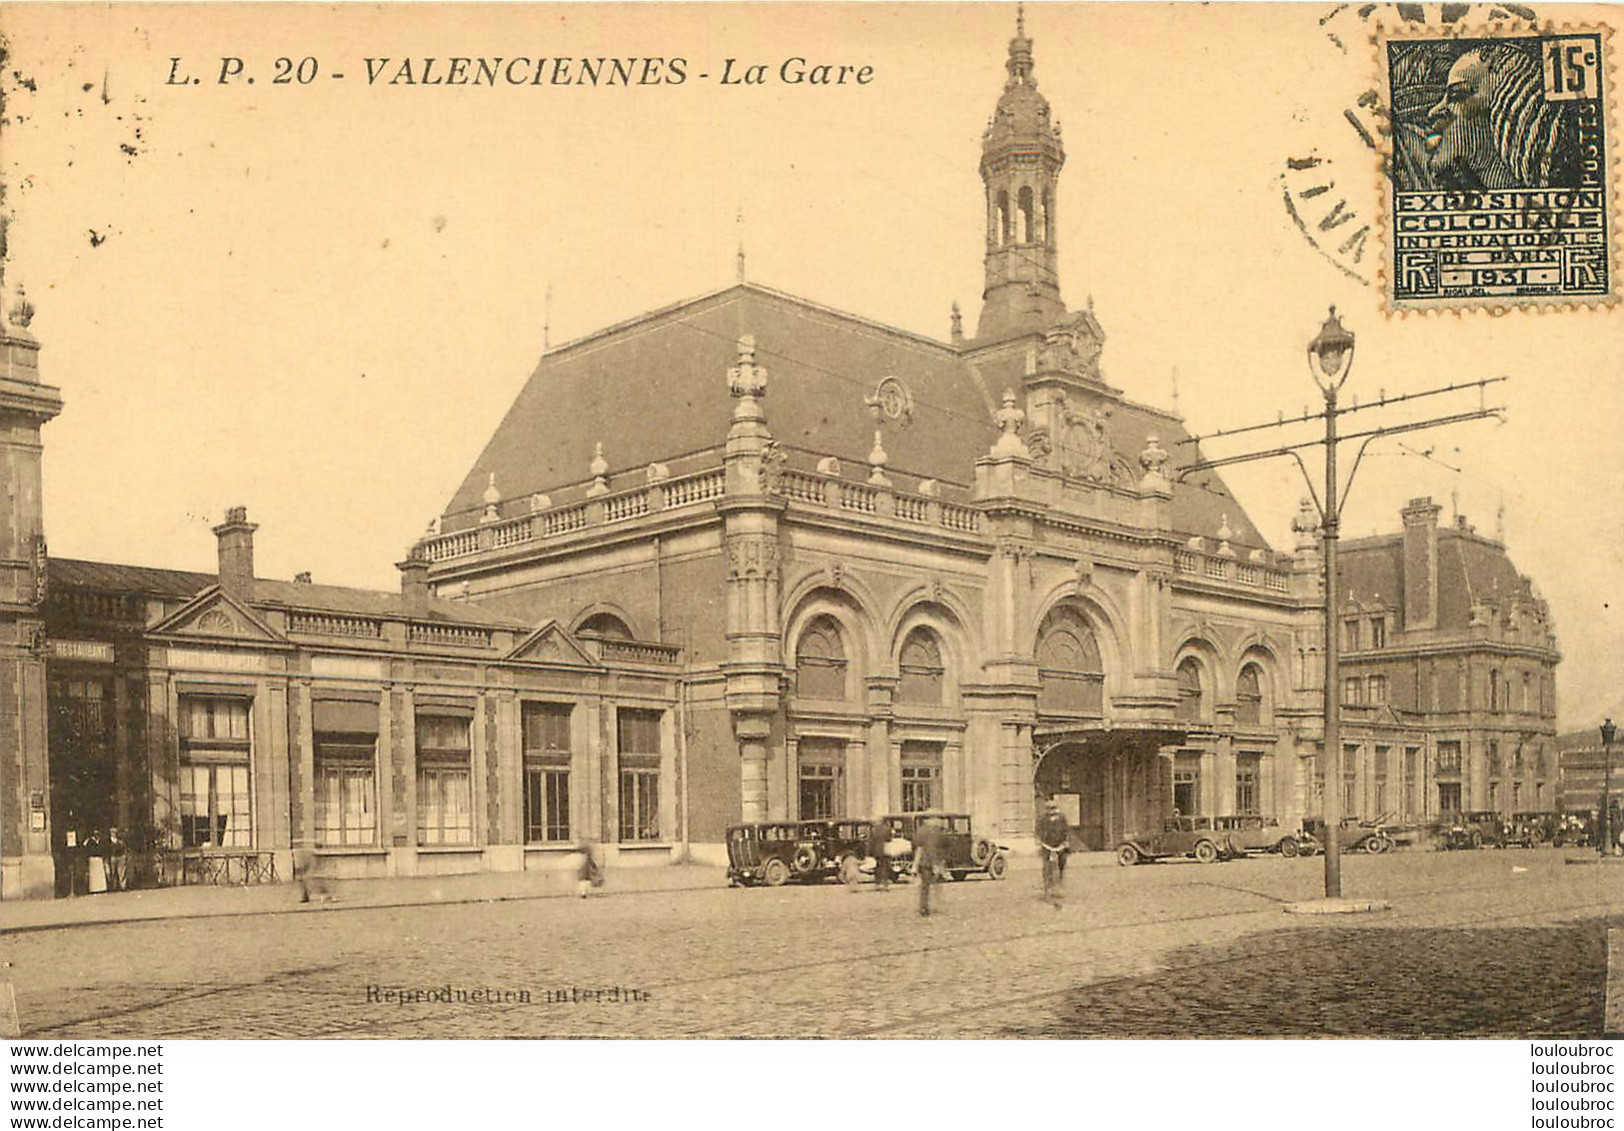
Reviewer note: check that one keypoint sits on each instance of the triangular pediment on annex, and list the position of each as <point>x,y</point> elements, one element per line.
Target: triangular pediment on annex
<point>216,616</point>
<point>550,644</point>
<point>1386,716</point>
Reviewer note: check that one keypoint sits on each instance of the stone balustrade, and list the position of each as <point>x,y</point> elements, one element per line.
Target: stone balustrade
<point>1217,567</point>
<point>796,485</point>
<point>636,651</point>
<point>334,624</point>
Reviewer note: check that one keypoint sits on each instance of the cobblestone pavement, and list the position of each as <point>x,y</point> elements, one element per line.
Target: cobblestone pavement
<point>1486,943</point>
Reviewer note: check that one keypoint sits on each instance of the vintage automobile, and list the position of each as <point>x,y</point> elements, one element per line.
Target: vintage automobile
<point>1530,830</point>
<point>1472,829</point>
<point>1575,828</point>
<point>964,851</point>
<point>1354,835</point>
<point>1179,836</point>
<point>1261,834</point>
<point>774,852</point>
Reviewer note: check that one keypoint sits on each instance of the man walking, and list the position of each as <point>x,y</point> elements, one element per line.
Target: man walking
<point>1054,841</point>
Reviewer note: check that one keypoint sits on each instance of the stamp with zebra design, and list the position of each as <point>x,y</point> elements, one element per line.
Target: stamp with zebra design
<point>1499,169</point>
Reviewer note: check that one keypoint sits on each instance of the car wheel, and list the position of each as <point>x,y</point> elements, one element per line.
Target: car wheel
<point>981,852</point>
<point>997,866</point>
<point>1477,839</point>
<point>1288,848</point>
<point>1206,852</point>
<point>805,859</point>
<point>851,869</point>
<point>1377,845</point>
<point>1128,855</point>
<point>775,873</point>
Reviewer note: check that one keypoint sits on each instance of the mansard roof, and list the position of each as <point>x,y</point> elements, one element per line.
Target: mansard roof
<point>654,388</point>
<point>1471,568</point>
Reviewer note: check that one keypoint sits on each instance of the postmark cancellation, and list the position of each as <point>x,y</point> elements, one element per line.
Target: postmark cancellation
<point>1499,162</point>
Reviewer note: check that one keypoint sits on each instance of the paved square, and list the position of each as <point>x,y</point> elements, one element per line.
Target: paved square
<point>1491,943</point>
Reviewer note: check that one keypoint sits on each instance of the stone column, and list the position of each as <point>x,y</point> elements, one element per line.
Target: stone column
<point>860,796</point>
<point>1224,767</point>
<point>302,767</point>
<point>752,733</point>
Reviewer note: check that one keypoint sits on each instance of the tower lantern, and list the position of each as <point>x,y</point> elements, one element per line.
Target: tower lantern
<point>1021,157</point>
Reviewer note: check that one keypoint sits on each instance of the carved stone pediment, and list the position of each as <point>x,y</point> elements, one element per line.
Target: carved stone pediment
<point>1082,449</point>
<point>1072,346</point>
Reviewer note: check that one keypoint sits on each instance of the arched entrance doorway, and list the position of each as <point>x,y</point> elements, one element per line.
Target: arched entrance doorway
<point>1108,783</point>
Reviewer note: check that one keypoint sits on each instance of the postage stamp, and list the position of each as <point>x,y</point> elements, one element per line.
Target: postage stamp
<point>1499,168</point>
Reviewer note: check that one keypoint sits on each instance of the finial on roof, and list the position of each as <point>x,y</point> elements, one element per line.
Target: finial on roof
<point>22,311</point>
<point>1020,19</point>
<point>599,470</point>
<point>1224,535</point>
<point>492,497</point>
<point>877,459</point>
<point>1009,419</point>
<point>1154,460</point>
<point>957,322</point>
<point>738,263</point>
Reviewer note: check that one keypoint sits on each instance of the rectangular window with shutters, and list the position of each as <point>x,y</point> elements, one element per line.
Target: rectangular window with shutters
<point>638,732</point>
<point>547,773</point>
<point>1449,757</point>
<point>216,801</point>
<point>1412,763</point>
<point>346,791</point>
<point>1248,772</point>
<point>445,810</point>
<point>1383,754</point>
<point>921,776</point>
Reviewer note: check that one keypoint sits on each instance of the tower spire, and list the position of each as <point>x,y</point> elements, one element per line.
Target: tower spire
<point>738,259</point>
<point>1021,158</point>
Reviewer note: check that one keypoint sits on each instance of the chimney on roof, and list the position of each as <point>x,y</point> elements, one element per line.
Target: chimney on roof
<point>302,578</point>
<point>1420,566</point>
<point>236,538</point>
<point>414,577</point>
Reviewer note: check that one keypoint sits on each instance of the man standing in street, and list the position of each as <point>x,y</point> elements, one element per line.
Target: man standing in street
<point>927,857</point>
<point>879,847</point>
<point>1054,841</point>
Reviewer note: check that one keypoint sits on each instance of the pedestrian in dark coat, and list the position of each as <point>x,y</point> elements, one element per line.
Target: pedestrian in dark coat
<point>879,847</point>
<point>1054,841</point>
<point>927,859</point>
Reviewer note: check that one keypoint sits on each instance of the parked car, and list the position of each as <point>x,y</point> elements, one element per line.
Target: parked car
<point>1179,836</point>
<point>1259,835</point>
<point>1576,828</point>
<point>964,852</point>
<point>1530,830</point>
<point>1353,835</point>
<point>774,852</point>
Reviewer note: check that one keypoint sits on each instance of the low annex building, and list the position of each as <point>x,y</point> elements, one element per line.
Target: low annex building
<point>818,567</point>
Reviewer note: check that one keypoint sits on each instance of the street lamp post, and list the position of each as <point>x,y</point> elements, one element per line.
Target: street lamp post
<point>1604,830</point>
<point>1330,360</point>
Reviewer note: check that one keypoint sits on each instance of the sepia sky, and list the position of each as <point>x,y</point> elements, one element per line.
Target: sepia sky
<point>318,299</point>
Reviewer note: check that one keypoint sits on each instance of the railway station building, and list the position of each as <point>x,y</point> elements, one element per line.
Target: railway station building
<point>816,566</point>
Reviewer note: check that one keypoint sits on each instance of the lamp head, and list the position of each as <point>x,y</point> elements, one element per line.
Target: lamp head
<point>1608,730</point>
<point>1331,349</point>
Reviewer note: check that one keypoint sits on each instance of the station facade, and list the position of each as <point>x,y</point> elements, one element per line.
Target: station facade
<point>748,557</point>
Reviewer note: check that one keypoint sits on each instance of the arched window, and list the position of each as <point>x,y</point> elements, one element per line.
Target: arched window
<point>1189,707</point>
<point>1001,218</point>
<point>1249,696</point>
<point>606,625</point>
<point>820,661</point>
<point>1023,216</point>
<point>1070,675</point>
<point>921,668</point>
